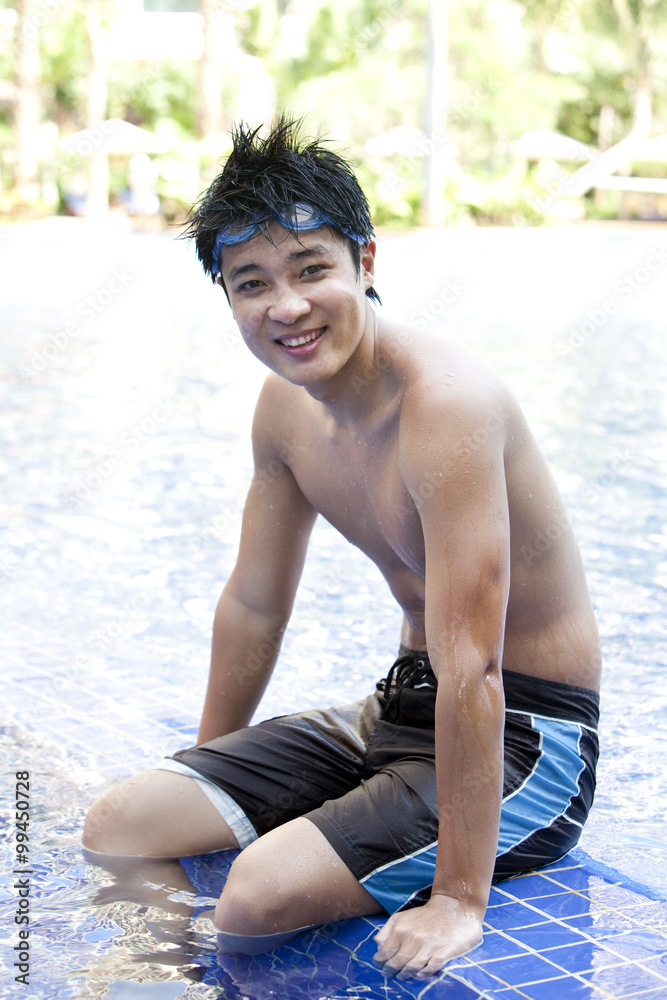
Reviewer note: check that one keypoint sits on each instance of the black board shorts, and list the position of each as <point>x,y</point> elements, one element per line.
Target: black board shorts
<point>368,783</point>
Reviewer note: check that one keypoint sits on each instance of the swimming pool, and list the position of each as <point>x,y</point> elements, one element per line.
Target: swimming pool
<point>126,411</point>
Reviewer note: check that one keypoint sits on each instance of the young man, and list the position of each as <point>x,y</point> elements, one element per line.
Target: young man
<point>474,760</point>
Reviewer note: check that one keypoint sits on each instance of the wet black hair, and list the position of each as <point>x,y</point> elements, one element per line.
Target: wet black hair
<point>263,177</point>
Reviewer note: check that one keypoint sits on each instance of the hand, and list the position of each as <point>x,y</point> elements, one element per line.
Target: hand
<point>419,941</point>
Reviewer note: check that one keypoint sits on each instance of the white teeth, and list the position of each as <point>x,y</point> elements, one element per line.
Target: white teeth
<point>300,341</point>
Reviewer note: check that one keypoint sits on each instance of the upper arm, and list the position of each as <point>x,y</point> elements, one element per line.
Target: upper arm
<point>277,518</point>
<point>457,449</point>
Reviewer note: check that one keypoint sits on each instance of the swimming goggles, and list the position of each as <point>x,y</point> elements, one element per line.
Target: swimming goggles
<point>298,218</point>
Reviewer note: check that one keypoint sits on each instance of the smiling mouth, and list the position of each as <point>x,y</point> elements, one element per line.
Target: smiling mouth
<point>305,338</point>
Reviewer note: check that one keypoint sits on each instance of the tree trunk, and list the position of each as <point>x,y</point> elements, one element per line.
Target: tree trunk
<point>435,160</point>
<point>27,112</point>
<point>210,119</point>
<point>642,112</point>
<point>98,74</point>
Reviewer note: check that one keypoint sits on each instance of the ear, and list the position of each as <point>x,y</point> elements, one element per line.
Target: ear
<point>368,264</point>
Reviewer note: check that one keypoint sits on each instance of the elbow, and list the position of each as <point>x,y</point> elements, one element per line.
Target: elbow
<point>492,668</point>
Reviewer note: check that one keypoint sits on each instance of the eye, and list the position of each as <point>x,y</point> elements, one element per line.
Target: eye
<point>313,269</point>
<point>249,286</point>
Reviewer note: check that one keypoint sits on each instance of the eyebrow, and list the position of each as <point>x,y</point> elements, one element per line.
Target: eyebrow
<point>315,251</point>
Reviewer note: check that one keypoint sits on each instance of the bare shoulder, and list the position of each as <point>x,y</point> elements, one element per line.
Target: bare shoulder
<point>453,405</point>
<point>276,415</point>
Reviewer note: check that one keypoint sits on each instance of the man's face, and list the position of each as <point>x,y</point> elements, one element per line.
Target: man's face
<point>299,304</point>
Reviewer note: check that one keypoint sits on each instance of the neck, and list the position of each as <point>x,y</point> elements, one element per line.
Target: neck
<point>365,385</point>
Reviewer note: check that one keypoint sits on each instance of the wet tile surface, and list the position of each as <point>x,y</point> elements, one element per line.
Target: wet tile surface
<point>532,948</point>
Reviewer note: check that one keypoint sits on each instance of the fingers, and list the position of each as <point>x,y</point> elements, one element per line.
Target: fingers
<point>406,957</point>
<point>410,947</point>
<point>404,964</point>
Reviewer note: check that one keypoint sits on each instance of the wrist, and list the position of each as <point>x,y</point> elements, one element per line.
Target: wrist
<point>460,908</point>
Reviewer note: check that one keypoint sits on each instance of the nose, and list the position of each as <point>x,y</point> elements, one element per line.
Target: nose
<point>288,305</point>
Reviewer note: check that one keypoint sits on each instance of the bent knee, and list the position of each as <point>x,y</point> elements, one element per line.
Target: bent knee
<point>156,814</point>
<point>105,829</point>
<point>129,818</point>
<point>251,901</point>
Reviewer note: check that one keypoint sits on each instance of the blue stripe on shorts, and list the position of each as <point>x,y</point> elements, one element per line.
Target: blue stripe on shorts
<point>548,790</point>
<point>544,797</point>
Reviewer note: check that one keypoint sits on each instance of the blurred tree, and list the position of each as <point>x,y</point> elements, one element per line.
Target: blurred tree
<point>593,69</point>
<point>27,107</point>
<point>636,23</point>
<point>98,72</point>
<point>210,117</point>
<point>435,107</point>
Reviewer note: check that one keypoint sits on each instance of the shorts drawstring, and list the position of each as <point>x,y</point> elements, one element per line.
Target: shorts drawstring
<point>409,671</point>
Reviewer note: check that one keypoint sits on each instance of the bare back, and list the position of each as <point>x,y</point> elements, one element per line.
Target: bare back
<point>353,475</point>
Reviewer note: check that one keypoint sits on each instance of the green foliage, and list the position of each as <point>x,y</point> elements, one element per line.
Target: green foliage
<point>357,70</point>
<point>64,57</point>
<point>146,93</point>
<point>580,118</point>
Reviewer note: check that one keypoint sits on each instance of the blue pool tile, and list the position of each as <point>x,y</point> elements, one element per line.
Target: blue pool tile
<point>444,988</point>
<point>652,914</point>
<point>496,945</point>
<point>527,969</point>
<point>547,935</point>
<point>601,924</point>
<point>565,904</point>
<point>514,915</point>
<point>625,979</point>
<point>656,965</point>
<point>614,895</point>
<point>583,957</point>
<point>570,878</point>
<point>562,988</point>
<point>481,979</point>
<point>529,886</point>
<point>640,944</point>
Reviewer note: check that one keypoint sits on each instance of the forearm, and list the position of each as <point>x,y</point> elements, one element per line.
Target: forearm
<point>469,772</point>
<point>244,651</point>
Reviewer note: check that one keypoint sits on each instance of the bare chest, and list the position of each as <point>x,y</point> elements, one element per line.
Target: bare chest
<point>355,483</point>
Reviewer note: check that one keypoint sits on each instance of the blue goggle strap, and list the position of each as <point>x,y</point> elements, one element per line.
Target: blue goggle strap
<point>298,221</point>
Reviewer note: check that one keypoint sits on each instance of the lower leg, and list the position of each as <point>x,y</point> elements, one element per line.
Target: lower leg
<point>289,879</point>
<point>156,882</point>
<point>156,814</point>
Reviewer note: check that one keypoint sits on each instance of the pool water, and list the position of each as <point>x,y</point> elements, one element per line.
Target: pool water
<point>126,411</point>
